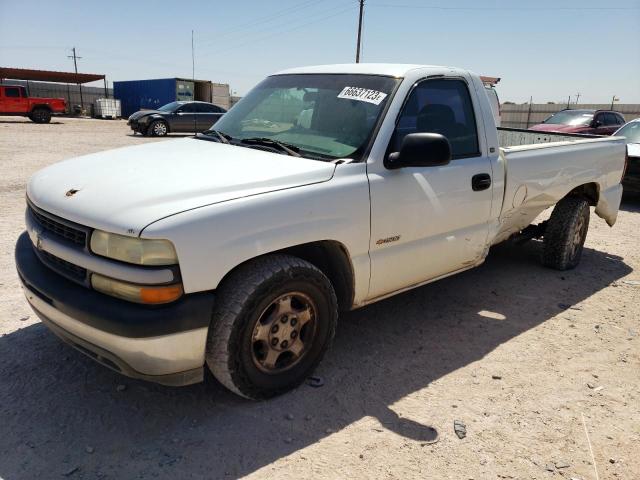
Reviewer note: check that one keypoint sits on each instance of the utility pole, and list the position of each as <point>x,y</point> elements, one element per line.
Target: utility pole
<point>577,98</point>
<point>529,112</point>
<point>75,64</point>
<point>568,102</point>
<point>193,77</point>
<point>193,61</point>
<point>359,31</point>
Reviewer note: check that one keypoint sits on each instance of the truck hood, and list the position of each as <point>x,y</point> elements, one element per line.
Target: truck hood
<point>124,190</point>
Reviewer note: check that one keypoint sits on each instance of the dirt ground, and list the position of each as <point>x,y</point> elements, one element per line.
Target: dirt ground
<point>527,358</point>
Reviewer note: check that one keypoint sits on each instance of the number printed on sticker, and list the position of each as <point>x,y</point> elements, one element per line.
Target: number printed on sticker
<point>362,94</point>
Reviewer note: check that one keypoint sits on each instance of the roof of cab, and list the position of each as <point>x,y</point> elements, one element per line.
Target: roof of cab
<point>391,69</point>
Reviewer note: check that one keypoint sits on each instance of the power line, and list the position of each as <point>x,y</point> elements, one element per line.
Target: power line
<point>241,28</point>
<point>440,7</point>
<point>280,32</point>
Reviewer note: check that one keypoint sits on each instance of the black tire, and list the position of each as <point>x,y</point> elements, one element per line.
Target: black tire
<point>565,233</point>
<point>40,115</point>
<point>243,301</point>
<point>158,128</point>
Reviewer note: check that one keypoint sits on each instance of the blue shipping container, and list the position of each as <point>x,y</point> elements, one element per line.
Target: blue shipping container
<point>137,94</point>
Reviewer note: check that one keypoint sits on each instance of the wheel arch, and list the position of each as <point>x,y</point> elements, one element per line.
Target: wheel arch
<point>590,191</point>
<point>162,119</point>
<point>41,106</point>
<point>330,257</point>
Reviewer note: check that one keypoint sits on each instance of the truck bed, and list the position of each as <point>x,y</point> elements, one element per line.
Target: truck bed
<point>512,137</point>
<point>540,168</point>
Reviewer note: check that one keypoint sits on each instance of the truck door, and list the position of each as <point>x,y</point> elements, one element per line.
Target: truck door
<point>430,221</point>
<point>12,102</point>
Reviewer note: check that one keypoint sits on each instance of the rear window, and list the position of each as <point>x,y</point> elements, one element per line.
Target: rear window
<point>571,117</point>
<point>208,108</point>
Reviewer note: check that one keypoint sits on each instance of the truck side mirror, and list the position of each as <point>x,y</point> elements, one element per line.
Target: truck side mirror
<point>420,150</point>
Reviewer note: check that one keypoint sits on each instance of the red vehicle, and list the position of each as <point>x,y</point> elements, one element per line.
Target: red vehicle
<point>592,122</point>
<point>14,100</point>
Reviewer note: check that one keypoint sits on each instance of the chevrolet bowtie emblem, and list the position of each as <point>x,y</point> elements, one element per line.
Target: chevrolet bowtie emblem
<point>71,192</point>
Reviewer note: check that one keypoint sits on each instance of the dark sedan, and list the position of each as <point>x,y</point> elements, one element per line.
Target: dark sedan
<point>592,122</point>
<point>176,117</point>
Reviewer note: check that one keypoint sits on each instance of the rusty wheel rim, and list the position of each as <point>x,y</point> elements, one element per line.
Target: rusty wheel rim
<point>284,333</point>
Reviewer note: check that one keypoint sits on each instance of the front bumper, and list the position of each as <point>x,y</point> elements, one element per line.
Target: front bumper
<point>137,126</point>
<point>163,344</point>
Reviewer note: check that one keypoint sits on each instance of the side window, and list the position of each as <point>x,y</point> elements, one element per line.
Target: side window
<point>609,119</point>
<point>600,119</point>
<point>218,109</point>
<point>13,92</point>
<point>440,106</point>
<point>206,108</point>
<point>189,108</point>
<point>619,119</point>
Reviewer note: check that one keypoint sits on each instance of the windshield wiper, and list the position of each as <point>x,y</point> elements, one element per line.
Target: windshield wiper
<point>223,137</point>
<point>269,142</point>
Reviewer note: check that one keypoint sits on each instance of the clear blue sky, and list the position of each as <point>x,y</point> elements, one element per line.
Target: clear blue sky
<point>548,49</point>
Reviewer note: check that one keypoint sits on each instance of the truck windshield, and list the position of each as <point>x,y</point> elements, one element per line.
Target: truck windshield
<point>631,131</point>
<point>571,117</point>
<point>324,116</point>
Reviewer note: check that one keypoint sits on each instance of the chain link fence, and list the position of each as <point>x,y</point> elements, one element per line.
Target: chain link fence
<point>525,115</point>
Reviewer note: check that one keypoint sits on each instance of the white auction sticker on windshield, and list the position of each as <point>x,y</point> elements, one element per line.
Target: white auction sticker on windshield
<point>362,94</point>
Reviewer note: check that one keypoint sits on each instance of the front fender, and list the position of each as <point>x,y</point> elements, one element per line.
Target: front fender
<point>212,240</point>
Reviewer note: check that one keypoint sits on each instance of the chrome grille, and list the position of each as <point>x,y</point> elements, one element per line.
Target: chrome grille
<point>61,229</point>
<point>63,267</point>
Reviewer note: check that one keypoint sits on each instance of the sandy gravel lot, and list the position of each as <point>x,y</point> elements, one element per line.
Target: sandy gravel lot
<point>518,353</point>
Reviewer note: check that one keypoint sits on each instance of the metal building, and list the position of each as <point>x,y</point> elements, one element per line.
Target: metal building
<point>139,94</point>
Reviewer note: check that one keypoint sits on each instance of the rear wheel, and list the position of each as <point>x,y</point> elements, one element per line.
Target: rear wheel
<point>274,319</point>
<point>565,233</point>
<point>40,115</point>
<point>158,128</point>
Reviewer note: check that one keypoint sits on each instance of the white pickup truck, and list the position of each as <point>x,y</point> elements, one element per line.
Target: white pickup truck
<point>326,188</point>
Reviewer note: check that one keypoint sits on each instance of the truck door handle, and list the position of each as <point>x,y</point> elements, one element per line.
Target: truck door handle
<point>481,181</point>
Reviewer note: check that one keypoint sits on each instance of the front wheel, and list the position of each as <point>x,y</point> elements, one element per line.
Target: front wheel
<point>274,319</point>
<point>565,233</point>
<point>158,128</point>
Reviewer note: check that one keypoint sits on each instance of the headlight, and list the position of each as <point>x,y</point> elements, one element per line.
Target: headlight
<point>141,251</point>
<point>149,294</point>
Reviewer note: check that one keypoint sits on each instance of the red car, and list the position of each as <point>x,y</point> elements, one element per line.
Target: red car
<point>15,101</point>
<point>592,122</point>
